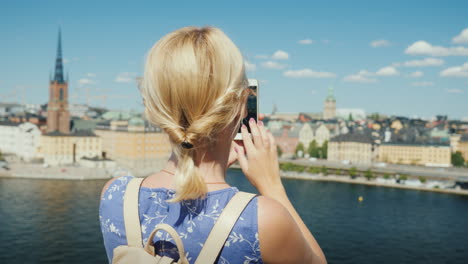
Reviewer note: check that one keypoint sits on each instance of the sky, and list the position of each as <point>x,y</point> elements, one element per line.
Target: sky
<point>405,58</point>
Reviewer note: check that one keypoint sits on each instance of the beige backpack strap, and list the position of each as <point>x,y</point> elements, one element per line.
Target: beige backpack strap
<point>131,217</point>
<point>223,227</point>
<point>149,247</point>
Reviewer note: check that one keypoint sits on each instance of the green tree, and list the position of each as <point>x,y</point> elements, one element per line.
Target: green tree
<point>324,150</point>
<point>1,156</point>
<point>299,150</point>
<point>369,174</point>
<point>324,171</point>
<point>457,159</point>
<point>313,149</point>
<point>350,117</point>
<point>353,172</point>
<point>386,176</point>
<point>403,177</point>
<point>422,179</point>
<point>279,151</point>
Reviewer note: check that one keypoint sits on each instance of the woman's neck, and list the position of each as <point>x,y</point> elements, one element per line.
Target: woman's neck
<point>212,167</point>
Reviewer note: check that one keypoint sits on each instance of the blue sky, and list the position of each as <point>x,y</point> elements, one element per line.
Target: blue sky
<point>395,57</point>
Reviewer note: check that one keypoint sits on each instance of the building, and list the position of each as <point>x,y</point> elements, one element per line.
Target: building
<point>134,143</point>
<point>287,139</point>
<point>425,154</point>
<point>8,131</point>
<point>59,145</point>
<point>329,107</point>
<point>354,148</point>
<point>59,148</point>
<point>21,139</point>
<point>310,132</point>
<point>58,116</point>
<point>463,146</point>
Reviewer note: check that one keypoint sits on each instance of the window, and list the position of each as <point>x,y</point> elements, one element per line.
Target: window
<point>61,94</point>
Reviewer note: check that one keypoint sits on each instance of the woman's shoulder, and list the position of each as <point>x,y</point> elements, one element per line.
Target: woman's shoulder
<point>116,184</point>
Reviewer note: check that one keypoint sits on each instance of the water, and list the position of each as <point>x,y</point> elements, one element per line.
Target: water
<point>56,221</point>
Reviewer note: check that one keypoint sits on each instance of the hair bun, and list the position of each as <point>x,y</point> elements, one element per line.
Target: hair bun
<point>186,145</point>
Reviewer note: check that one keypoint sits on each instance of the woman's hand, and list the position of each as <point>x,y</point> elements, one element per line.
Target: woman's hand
<point>258,159</point>
<point>232,153</point>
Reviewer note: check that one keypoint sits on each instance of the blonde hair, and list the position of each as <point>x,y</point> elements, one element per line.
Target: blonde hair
<point>193,87</point>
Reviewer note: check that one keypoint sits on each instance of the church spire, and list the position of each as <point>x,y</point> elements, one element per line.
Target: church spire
<point>330,96</point>
<point>58,77</point>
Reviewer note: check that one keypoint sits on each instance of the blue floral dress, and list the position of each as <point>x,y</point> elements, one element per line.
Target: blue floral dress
<point>193,220</point>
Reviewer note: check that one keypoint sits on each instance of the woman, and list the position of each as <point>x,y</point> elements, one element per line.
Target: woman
<point>195,88</point>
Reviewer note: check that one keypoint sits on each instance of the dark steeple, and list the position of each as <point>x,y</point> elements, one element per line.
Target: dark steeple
<point>58,77</point>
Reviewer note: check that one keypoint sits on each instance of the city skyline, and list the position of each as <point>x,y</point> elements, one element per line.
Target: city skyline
<point>374,63</point>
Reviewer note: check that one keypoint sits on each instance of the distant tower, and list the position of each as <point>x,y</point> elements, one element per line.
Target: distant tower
<point>329,108</point>
<point>58,116</point>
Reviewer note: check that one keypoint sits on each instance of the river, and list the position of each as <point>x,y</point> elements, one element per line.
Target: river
<point>56,221</point>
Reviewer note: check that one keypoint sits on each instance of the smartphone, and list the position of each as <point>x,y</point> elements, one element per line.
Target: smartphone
<point>252,107</point>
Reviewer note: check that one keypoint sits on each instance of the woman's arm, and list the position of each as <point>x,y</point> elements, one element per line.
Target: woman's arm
<point>259,162</point>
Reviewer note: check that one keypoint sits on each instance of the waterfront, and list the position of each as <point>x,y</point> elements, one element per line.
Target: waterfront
<point>55,221</point>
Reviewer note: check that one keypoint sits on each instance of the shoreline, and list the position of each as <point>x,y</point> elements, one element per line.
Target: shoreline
<point>364,181</point>
<point>70,173</point>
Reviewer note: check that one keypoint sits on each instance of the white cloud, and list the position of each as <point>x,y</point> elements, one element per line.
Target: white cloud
<point>424,48</point>
<point>457,71</point>
<point>421,63</point>
<point>280,55</point>
<point>125,77</point>
<point>261,56</point>
<point>422,84</point>
<point>387,71</point>
<point>362,76</point>
<point>273,65</point>
<point>85,81</point>
<point>91,75</point>
<point>462,38</point>
<point>66,60</point>
<point>308,73</point>
<point>250,66</point>
<point>380,43</point>
<point>416,74</point>
<point>305,41</point>
<point>456,91</point>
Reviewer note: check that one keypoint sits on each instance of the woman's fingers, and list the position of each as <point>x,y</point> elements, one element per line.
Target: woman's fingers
<point>264,135</point>
<point>249,146</point>
<point>241,158</point>
<point>257,138</point>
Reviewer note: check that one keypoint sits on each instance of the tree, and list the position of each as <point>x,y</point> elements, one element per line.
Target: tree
<point>403,177</point>
<point>457,159</point>
<point>324,150</point>
<point>350,117</point>
<point>299,152</point>
<point>368,174</point>
<point>422,179</point>
<point>353,172</point>
<point>386,176</point>
<point>313,149</point>
<point>279,151</point>
<point>1,156</point>
<point>324,171</point>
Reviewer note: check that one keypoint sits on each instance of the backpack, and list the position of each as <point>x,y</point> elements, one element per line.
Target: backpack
<point>135,252</point>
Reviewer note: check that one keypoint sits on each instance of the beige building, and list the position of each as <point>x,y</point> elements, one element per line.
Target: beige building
<point>308,132</point>
<point>463,146</point>
<point>352,148</point>
<point>134,144</point>
<point>59,148</point>
<point>415,154</point>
